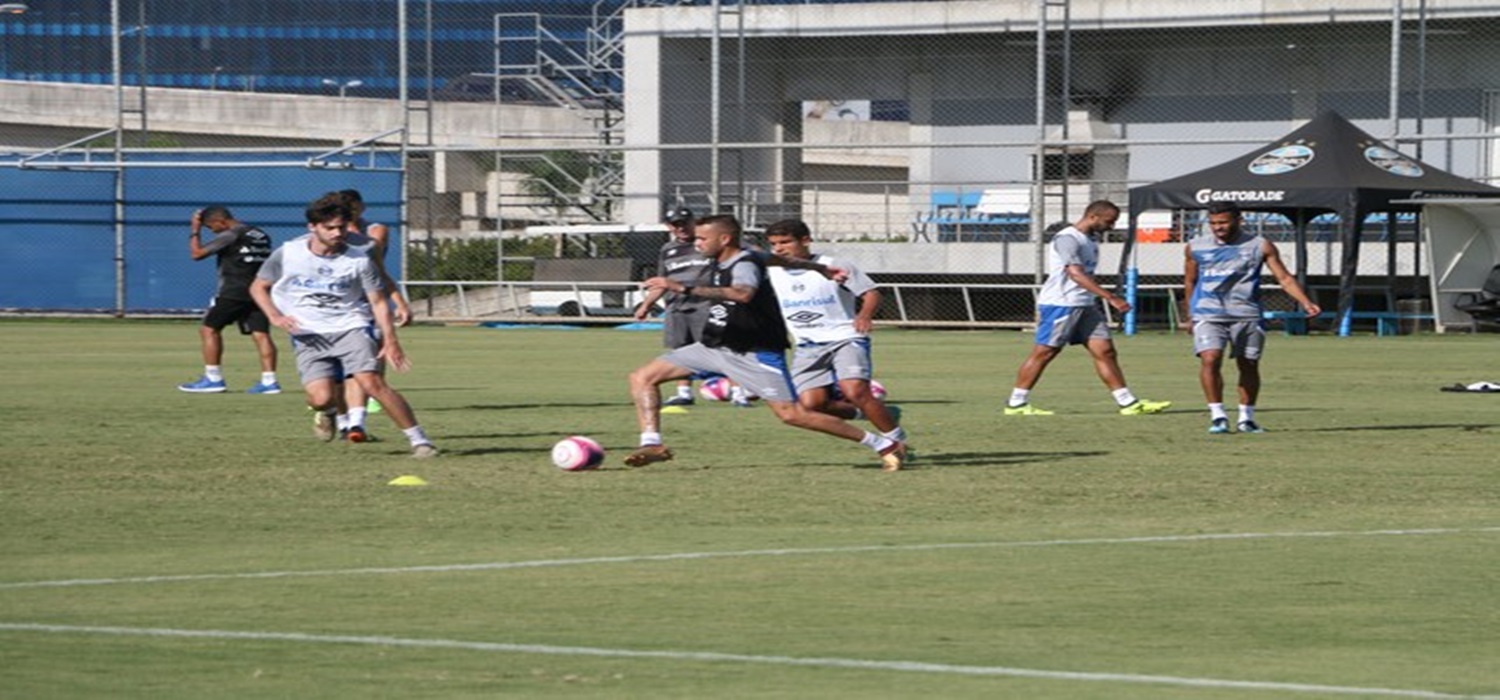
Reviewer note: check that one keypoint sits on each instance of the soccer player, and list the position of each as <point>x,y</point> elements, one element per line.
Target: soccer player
<point>682,322</point>
<point>240,249</point>
<point>325,295</point>
<point>831,330</point>
<point>375,238</point>
<point>744,339</point>
<point>1069,313</point>
<point>1222,272</point>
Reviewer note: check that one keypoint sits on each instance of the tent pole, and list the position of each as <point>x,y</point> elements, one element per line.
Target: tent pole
<point>1300,238</point>
<point>1350,229</point>
<point>1390,250</point>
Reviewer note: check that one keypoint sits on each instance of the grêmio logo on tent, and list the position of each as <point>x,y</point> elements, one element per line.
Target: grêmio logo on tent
<point>1281,160</point>
<point>1208,196</point>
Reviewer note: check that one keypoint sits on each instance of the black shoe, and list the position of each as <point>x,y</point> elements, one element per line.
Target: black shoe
<point>678,401</point>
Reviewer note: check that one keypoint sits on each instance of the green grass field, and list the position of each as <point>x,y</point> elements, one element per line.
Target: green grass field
<point>166,545</point>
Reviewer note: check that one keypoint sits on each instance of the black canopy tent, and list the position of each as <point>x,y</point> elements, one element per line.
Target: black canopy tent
<point>1328,165</point>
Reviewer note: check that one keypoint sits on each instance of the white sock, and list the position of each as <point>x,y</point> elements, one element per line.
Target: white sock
<point>650,438</point>
<point>356,417</point>
<point>267,377</point>
<point>1019,397</point>
<point>215,373</point>
<point>898,434</point>
<point>737,394</point>
<point>684,391</point>
<point>1216,411</point>
<point>1123,396</point>
<point>341,421</point>
<point>416,436</point>
<point>1247,413</point>
<point>876,441</point>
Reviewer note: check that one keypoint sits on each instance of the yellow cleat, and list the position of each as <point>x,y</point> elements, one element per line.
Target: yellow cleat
<point>1026,409</point>
<point>1142,407</point>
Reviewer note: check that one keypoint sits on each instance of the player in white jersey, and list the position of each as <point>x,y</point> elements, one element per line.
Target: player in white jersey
<point>830,329</point>
<point>1068,313</point>
<point>325,295</point>
<point>374,237</point>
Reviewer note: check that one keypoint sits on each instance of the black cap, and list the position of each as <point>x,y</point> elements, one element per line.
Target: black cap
<point>677,214</point>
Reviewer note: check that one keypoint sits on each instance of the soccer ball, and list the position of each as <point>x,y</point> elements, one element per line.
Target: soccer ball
<point>577,453</point>
<point>716,389</point>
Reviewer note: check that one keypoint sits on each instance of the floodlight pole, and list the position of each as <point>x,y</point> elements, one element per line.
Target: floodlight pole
<point>1395,104</point>
<point>714,110</point>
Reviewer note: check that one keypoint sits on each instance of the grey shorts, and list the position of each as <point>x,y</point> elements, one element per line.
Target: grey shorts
<point>821,364</point>
<point>763,374</point>
<point>1070,325</point>
<point>683,325</point>
<point>1245,339</point>
<point>336,356</point>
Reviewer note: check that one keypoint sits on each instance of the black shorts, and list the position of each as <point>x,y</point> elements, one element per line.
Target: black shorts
<point>241,312</point>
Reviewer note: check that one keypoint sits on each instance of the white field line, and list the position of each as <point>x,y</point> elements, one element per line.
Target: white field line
<point>689,556</point>
<point>702,656</point>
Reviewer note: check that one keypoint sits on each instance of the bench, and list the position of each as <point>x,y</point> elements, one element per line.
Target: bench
<point>1386,322</point>
<point>974,215</point>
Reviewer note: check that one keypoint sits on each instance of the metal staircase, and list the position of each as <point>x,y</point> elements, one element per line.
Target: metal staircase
<point>535,65</point>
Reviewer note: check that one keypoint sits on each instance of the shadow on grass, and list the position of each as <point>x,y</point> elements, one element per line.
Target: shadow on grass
<point>481,451</point>
<point>527,406</point>
<point>926,460</point>
<point>1471,427</point>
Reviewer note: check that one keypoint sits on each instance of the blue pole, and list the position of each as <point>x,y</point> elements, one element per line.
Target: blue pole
<point>1132,285</point>
<point>1345,322</point>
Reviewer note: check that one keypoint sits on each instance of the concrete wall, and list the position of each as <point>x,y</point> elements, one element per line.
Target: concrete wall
<point>282,118</point>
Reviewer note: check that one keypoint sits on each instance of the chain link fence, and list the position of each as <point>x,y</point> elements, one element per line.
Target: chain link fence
<point>937,144</point>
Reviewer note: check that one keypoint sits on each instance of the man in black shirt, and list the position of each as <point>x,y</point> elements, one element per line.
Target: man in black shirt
<point>744,338</point>
<point>682,320</point>
<point>240,250</point>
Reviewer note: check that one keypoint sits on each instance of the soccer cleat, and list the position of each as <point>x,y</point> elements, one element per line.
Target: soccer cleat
<point>1142,407</point>
<point>424,450</point>
<point>892,458</point>
<point>742,403</point>
<point>1250,426</point>
<point>1026,409</point>
<point>323,426</point>
<point>648,454</point>
<point>678,401</point>
<point>263,388</point>
<point>1219,426</point>
<point>204,385</point>
<point>357,434</point>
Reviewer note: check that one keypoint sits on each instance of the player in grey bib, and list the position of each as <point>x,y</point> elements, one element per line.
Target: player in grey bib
<point>1222,271</point>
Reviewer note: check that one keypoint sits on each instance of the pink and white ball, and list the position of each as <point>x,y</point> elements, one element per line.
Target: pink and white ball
<point>716,389</point>
<point>577,453</point>
<point>877,389</point>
